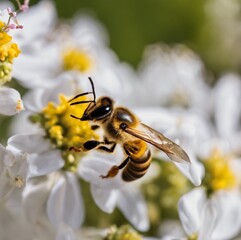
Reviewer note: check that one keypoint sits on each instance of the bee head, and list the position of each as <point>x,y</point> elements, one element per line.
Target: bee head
<point>98,110</point>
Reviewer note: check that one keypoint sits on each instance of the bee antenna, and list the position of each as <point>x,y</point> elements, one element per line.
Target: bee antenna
<point>93,89</point>
<point>75,117</point>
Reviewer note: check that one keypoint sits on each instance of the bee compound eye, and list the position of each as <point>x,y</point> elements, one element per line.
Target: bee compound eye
<point>123,126</point>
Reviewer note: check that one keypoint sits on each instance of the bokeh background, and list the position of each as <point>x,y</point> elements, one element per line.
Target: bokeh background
<point>212,28</point>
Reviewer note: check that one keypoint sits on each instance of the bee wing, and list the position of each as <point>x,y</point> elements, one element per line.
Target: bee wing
<point>150,135</point>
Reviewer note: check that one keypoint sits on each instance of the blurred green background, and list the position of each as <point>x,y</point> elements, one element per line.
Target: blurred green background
<point>210,27</point>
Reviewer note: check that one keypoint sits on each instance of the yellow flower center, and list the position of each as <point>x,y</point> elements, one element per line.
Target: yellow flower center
<point>8,51</point>
<point>125,232</point>
<point>64,131</point>
<point>75,59</point>
<point>194,236</point>
<point>219,175</point>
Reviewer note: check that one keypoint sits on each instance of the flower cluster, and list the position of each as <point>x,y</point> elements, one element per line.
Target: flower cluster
<point>51,167</point>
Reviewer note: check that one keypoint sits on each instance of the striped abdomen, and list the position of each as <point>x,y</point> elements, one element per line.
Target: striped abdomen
<point>137,167</point>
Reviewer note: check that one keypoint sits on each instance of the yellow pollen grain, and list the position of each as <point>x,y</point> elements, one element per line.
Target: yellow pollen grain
<point>75,59</point>
<point>8,49</point>
<point>64,130</point>
<point>194,236</point>
<point>219,173</point>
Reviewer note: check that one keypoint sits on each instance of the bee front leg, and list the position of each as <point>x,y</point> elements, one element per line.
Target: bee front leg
<point>86,146</point>
<point>115,169</point>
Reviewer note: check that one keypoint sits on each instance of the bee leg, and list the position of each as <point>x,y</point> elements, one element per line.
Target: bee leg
<point>76,149</point>
<point>115,169</point>
<point>106,149</point>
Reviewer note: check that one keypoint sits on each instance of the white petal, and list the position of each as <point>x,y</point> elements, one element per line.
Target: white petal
<point>89,31</point>
<point>193,171</point>
<point>95,164</point>
<point>35,196</point>
<point>226,97</point>
<point>30,143</point>
<point>133,206</point>
<point>37,69</point>
<point>37,21</point>
<point>189,209</point>
<point>65,233</point>
<point>208,218</point>
<point>45,163</point>
<point>229,218</point>
<point>65,204</point>
<point>5,185</point>
<point>104,198</point>
<point>10,101</point>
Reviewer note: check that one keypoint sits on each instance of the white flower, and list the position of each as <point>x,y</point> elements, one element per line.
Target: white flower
<point>111,193</point>
<point>44,159</point>
<point>216,218</point>
<point>173,77</point>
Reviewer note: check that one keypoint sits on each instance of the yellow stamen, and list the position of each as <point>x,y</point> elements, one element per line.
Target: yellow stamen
<point>125,232</point>
<point>5,72</point>
<point>194,236</point>
<point>74,59</point>
<point>8,51</point>
<point>219,175</point>
<point>64,131</point>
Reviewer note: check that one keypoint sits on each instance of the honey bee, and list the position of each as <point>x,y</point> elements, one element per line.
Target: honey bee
<point>123,127</point>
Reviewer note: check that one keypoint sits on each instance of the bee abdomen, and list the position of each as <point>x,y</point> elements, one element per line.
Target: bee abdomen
<point>136,168</point>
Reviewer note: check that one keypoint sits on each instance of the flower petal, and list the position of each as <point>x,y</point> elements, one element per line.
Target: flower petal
<point>34,197</point>
<point>229,221</point>
<point>45,163</point>
<point>10,101</point>
<point>104,198</point>
<point>95,164</point>
<point>42,14</point>
<point>193,171</point>
<point>226,97</point>
<point>189,207</point>
<point>65,204</point>
<point>65,233</point>
<point>208,218</point>
<point>30,143</point>
<point>132,204</point>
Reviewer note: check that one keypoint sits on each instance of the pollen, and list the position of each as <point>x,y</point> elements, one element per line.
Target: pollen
<point>219,174</point>
<point>64,131</point>
<point>8,51</point>
<point>194,236</point>
<point>125,232</point>
<point>75,59</point>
